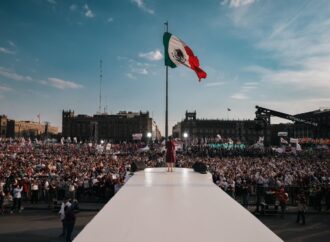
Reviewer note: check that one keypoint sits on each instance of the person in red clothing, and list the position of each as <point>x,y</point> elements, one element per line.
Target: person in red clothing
<point>282,197</point>
<point>170,154</point>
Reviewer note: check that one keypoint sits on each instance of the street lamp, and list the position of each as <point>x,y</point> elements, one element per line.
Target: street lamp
<point>185,136</point>
<point>149,136</point>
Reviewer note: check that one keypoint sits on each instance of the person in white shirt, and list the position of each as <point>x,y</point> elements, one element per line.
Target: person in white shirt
<point>35,191</point>
<point>65,203</point>
<point>46,192</point>
<point>17,192</point>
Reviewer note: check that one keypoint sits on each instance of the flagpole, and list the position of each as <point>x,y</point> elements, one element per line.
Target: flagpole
<point>166,105</point>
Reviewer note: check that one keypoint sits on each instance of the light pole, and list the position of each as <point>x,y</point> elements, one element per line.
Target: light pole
<point>185,136</point>
<point>149,136</point>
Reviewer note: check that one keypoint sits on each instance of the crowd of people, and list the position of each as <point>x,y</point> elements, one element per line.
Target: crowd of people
<point>53,172</point>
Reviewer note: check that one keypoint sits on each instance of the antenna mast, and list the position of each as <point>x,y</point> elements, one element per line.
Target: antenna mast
<point>100,97</point>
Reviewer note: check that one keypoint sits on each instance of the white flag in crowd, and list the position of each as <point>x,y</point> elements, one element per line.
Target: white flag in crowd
<point>219,137</point>
<point>292,140</point>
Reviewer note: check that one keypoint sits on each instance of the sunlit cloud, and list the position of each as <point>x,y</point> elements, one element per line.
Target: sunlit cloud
<point>141,4</point>
<point>237,3</point>
<point>73,7</point>
<point>12,75</point>
<point>155,55</point>
<point>4,89</point>
<point>130,76</point>
<point>6,51</point>
<point>61,84</point>
<point>239,96</point>
<point>88,12</point>
<point>214,84</point>
<point>11,43</point>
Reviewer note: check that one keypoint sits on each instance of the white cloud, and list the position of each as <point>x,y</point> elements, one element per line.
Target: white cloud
<point>109,20</point>
<point>247,88</point>
<point>138,67</point>
<point>299,43</point>
<point>142,5</point>
<point>11,43</point>
<point>304,54</point>
<point>52,1</point>
<point>251,84</point>
<point>6,51</point>
<point>237,3</point>
<point>214,84</point>
<point>239,96</point>
<point>245,91</point>
<point>88,12</point>
<point>155,55</point>
<point>257,69</point>
<point>61,84</point>
<point>142,71</point>
<point>4,89</point>
<point>73,7</point>
<point>130,76</point>
<point>10,74</point>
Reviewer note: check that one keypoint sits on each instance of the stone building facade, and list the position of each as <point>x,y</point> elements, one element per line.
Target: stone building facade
<point>112,127</point>
<point>10,128</point>
<point>238,130</point>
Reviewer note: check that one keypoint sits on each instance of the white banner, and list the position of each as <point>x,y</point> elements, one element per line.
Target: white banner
<point>137,136</point>
<point>282,134</point>
<point>292,140</point>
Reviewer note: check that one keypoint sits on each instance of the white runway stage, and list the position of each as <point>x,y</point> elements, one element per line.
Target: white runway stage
<point>183,206</point>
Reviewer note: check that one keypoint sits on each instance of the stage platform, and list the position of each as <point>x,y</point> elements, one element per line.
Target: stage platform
<point>182,206</point>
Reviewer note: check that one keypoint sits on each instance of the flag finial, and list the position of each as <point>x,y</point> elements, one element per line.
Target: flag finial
<point>166,26</point>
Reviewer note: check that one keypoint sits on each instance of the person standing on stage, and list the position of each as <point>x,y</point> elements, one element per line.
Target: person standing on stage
<point>170,154</point>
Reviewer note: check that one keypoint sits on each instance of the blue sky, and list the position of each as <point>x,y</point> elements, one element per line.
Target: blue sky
<point>256,52</point>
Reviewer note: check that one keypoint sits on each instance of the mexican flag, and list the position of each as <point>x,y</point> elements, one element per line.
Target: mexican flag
<point>178,53</point>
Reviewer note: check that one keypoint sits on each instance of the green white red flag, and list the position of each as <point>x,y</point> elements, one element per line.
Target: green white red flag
<point>178,53</point>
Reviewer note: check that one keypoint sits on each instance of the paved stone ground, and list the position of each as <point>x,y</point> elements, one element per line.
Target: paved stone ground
<point>42,225</point>
<point>37,225</point>
<point>317,228</point>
